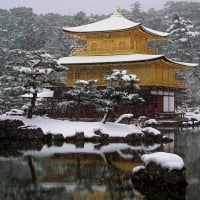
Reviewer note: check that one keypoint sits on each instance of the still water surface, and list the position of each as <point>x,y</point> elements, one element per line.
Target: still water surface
<point>93,171</point>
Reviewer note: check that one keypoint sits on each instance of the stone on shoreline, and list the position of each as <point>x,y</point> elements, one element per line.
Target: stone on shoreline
<point>160,169</point>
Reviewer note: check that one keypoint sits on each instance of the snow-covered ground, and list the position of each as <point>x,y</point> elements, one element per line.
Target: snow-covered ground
<point>70,128</point>
<point>192,116</point>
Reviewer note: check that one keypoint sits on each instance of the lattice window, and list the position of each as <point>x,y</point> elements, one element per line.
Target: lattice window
<point>94,46</point>
<point>122,45</point>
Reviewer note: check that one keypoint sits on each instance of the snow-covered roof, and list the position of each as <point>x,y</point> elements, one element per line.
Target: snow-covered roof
<point>186,64</point>
<point>154,32</point>
<point>44,94</point>
<point>115,22</point>
<point>106,59</point>
<point>72,60</point>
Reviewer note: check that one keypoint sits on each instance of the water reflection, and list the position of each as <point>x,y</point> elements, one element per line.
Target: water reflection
<point>188,146</point>
<point>70,172</point>
<point>93,171</point>
<point>103,174</point>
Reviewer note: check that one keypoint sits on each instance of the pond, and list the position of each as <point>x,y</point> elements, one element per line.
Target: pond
<point>92,171</point>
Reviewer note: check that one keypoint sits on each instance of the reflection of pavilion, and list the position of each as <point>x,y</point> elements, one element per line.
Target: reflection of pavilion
<point>188,146</point>
<point>90,172</point>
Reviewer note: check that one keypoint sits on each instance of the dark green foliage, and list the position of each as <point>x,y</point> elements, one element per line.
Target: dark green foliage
<point>119,91</point>
<point>20,28</point>
<point>27,72</point>
<point>81,94</point>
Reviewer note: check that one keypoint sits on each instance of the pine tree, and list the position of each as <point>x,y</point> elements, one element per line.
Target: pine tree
<point>82,93</point>
<point>119,91</point>
<point>10,90</point>
<point>182,37</point>
<point>29,72</point>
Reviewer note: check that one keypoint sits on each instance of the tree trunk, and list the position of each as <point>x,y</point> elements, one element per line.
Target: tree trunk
<point>105,117</point>
<point>77,113</point>
<point>30,109</point>
<point>32,170</point>
<point>77,109</point>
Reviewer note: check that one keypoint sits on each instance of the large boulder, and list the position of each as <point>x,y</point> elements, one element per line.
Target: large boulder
<point>16,130</point>
<point>8,128</point>
<point>29,133</point>
<point>152,135</point>
<point>160,169</point>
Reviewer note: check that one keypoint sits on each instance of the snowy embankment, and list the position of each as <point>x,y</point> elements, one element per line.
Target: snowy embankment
<point>192,118</point>
<point>70,128</point>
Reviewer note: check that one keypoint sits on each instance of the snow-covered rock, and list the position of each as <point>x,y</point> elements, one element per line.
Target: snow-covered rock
<point>150,122</point>
<point>124,116</point>
<point>151,131</point>
<point>160,169</point>
<point>168,161</point>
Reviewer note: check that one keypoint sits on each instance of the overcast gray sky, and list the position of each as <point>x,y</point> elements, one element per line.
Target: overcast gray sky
<point>69,7</point>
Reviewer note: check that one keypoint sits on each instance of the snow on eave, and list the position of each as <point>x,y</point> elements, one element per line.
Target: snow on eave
<point>187,64</point>
<point>154,32</point>
<point>181,63</point>
<point>107,59</point>
<point>115,22</point>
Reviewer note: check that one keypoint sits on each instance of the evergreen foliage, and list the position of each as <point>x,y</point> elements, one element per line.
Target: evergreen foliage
<point>118,92</point>
<point>83,93</point>
<point>27,72</point>
<point>22,29</point>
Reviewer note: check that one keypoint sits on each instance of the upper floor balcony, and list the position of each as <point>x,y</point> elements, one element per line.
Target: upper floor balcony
<point>84,51</point>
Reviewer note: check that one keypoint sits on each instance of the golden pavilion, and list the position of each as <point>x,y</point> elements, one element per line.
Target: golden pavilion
<point>118,43</point>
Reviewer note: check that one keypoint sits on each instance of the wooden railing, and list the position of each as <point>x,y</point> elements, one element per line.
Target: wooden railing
<point>172,84</point>
<point>83,51</point>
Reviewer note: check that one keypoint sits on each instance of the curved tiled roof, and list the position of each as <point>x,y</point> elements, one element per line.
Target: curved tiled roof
<point>115,22</point>
<point>117,59</point>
